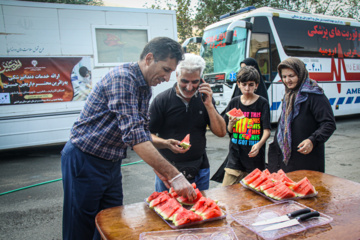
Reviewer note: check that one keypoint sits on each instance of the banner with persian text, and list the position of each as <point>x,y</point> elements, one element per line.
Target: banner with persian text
<point>28,80</point>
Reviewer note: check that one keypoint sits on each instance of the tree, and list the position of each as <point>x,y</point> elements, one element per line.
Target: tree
<point>184,17</point>
<point>83,2</point>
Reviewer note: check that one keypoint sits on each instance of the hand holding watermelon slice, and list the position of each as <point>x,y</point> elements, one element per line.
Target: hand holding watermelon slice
<point>185,143</point>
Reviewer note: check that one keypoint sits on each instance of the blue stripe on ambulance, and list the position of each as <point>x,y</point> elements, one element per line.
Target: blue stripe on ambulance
<point>275,106</point>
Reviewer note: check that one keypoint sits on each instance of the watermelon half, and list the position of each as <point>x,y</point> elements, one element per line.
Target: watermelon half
<point>185,143</point>
<point>235,113</point>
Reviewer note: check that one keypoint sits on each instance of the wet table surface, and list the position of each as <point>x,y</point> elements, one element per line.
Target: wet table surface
<point>337,197</point>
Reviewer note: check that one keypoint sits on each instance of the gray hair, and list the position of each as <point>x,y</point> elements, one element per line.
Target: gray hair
<point>191,63</point>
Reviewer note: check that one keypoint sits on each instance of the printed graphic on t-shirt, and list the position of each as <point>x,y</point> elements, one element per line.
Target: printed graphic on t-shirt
<point>247,130</point>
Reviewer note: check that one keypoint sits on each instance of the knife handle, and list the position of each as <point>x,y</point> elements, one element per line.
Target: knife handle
<point>308,215</point>
<point>298,212</point>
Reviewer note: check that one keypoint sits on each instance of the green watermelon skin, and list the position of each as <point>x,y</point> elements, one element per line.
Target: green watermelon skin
<point>185,143</point>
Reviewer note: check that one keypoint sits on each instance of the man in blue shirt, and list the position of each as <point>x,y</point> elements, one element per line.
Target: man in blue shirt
<point>115,117</point>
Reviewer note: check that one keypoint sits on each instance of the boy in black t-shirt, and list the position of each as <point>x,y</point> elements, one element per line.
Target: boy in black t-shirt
<point>249,134</point>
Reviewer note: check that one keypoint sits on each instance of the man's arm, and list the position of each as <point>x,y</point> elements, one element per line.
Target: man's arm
<point>172,144</point>
<point>151,156</point>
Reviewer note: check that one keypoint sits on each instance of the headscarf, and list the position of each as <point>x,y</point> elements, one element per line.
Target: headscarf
<point>292,101</point>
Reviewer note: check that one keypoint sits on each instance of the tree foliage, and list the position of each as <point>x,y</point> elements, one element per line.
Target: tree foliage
<point>83,2</point>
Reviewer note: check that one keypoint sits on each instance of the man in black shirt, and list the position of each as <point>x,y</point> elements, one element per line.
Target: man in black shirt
<point>186,108</point>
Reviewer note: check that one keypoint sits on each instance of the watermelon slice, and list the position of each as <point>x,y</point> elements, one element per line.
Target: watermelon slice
<point>153,196</point>
<point>185,201</point>
<point>164,196</point>
<point>266,172</point>
<point>303,187</point>
<point>184,217</point>
<point>212,212</point>
<point>207,204</point>
<point>235,113</point>
<point>167,209</point>
<point>185,143</point>
<point>266,185</point>
<point>251,176</point>
<point>255,184</point>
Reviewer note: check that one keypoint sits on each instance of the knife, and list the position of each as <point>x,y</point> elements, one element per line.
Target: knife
<point>292,222</point>
<point>283,218</point>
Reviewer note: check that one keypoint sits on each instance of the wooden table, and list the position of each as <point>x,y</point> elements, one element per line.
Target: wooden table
<point>337,197</point>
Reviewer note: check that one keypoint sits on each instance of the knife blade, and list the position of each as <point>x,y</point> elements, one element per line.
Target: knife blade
<point>292,222</point>
<point>283,218</point>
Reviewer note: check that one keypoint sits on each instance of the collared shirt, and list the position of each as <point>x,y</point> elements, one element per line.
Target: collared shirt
<point>115,115</point>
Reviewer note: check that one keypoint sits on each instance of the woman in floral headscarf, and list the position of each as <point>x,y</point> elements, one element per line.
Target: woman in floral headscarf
<point>306,122</point>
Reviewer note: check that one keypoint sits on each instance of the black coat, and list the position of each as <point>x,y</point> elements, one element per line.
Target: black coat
<point>316,122</point>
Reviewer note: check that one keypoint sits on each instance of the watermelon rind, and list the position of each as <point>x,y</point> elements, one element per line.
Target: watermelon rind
<point>185,143</point>
<point>251,176</point>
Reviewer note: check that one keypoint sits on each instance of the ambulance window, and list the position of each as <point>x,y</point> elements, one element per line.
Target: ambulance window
<point>317,39</point>
<point>261,26</point>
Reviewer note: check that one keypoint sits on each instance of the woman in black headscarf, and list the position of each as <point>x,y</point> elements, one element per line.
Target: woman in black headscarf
<point>261,90</point>
<point>306,122</point>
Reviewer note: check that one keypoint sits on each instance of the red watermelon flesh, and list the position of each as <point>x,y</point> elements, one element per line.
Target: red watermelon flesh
<point>303,187</point>
<point>185,201</point>
<point>198,204</point>
<point>284,178</point>
<point>281,172</point>
<point>283,192</point>
<point>185,217</point>
<point>262,178</point>
<point>266,185</point>
<point>235,113</point>
<point>169,208</point>
<point>251,176</point>
<point>207,204</point>
<point>158,207</point>
<point>274,191</point>
<point>185,143</point>
<point>161,198</point>
<point>153,196</point>
<point>211,213</point>
<point>267,172</point>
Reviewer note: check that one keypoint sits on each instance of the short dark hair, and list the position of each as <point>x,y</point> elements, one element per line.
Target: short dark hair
<point>248,73</point>
<point>83,71</point>
<point>162,48</point>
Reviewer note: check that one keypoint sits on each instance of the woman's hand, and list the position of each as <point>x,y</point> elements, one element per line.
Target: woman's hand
<point>305,147</point>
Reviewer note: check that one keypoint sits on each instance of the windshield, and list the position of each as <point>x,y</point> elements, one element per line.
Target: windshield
<point>221,58</point>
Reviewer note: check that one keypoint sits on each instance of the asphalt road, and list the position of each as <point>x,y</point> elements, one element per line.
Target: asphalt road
<point>36,212</point>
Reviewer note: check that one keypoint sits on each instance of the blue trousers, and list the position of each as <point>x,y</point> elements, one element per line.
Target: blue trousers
<point>90,185</point>
<point>202,181</point>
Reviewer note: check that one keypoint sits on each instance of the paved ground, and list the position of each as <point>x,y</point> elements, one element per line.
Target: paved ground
<point>35,213</point>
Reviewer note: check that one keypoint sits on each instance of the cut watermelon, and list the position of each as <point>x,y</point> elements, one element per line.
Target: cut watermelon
<point>206,204</point>
<point>185,217</point>
<point>185,201</point>
<point>303,187</point>
<point>164,196</point>
<point>283,192</point>
<point>153,196</point>
<point>168,209</point>
<point>262,178</point>
<point>185,143</point>
<point>235,113</point>
<point>267,172</point>
<point>266,185</point>
<point>251,176</point>
<point>211,213</point>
